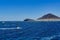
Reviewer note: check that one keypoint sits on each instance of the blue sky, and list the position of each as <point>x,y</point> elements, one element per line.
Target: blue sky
<point>17,10</point>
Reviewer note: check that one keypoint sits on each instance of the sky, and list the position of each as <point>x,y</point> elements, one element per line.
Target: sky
<point>18,10</point>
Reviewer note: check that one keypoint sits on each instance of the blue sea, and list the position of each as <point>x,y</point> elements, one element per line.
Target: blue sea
<point>39,30</point>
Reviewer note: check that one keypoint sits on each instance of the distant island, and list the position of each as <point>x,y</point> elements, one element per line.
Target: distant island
<point>29,19</point>
<point>47,17</point>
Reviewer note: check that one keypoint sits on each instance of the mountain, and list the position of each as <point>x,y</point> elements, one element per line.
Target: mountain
<point>49,16</point>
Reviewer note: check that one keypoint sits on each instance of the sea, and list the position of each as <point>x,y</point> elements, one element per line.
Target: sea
<point>33,30</point>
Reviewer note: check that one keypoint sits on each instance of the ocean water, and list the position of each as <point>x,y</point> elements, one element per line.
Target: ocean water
<point>30,30</point>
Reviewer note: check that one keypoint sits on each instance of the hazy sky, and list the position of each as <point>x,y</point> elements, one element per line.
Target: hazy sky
<point>20,9</point>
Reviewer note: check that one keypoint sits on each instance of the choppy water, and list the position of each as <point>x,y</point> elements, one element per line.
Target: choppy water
<point>30,30</point>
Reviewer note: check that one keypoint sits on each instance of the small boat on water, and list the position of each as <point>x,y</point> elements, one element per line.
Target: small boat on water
<point>10,28</point>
